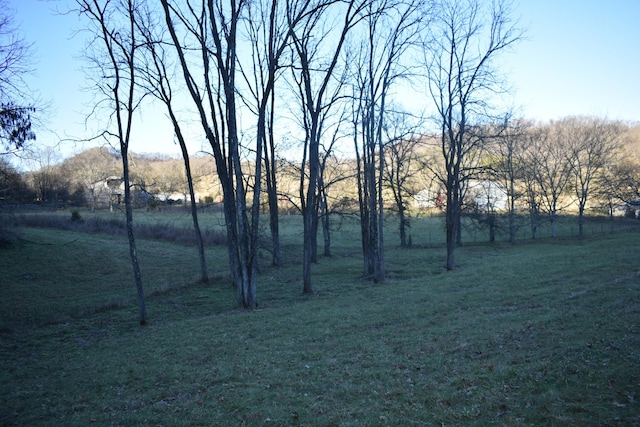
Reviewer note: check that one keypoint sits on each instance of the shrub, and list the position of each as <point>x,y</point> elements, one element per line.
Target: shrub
<point>75,215</point>
<point>117,227</point>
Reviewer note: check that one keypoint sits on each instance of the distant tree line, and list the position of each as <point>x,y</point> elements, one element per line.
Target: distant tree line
<point>601,176</point>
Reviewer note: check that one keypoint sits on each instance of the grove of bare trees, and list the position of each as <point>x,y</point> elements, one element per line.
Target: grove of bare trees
<point>323,75</point>
<point>459,58</point>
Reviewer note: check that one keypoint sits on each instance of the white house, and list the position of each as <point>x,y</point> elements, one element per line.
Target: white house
<point>487,195</point>
<point>483,195</point>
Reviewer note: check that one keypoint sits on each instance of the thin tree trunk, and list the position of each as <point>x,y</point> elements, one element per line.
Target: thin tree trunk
<point>458,220</point>
<point>403,225</point>
<point>255,219</point>
<point>272,191</point>
<point>452,221</point>
<point>307,252</point>
<point>380,276</point>
<point>324,215</point>
<point>204,276</point>
<point>272,198</point>
<point>315,221</point>
<point>310,214</point>
<point>133,252</point>
<point>451,241</point>
<point>533,216</point>
<point>492,227</point>
<point>512,213</point>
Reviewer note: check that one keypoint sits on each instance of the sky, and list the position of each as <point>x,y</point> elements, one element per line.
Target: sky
<point>579,57</point>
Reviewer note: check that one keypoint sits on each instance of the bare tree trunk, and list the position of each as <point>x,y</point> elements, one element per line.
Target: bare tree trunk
<point>315,222</point>
<point>274,222</point>
<point>204,276</point>
<point>533,218</point>
<point>121,49</point>
<point>459,227</point>
<point>404,222</point>
<point>491,218</point>
<point>313,89</point>
<point>512,208</point>
<point>310,216</point>
<point>512,227</point>
<point>216,108</point>
<point>381,270</point>
<point>451,224</point>
<point>160,86</point>
<point>324,217</point>
<point>272,191</point>
<point>133,252</point>
<point>462,42</point>
<point>581,220</point>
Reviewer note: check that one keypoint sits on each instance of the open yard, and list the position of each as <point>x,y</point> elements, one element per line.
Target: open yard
<point>539,333</point>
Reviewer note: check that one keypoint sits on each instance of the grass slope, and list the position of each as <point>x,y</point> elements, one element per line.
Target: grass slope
<point>535,334</point>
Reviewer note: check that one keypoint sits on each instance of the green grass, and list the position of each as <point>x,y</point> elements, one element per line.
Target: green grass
<point>175,224</point>
<point>540,333</point>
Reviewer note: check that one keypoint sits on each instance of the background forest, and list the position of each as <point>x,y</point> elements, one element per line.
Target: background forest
<point>411,183</point>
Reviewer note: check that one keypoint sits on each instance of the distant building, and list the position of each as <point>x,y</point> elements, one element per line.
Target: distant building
<point>483,196</point>
<point>115,185</point>
<point>631,209</point>
<point>429,198</point>
<point>176,198</point>
<point>487,196</point>
<point>109,192</point>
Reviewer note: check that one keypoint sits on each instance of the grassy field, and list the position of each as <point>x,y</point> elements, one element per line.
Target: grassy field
<point>540,333</point>
<point>174,223</point>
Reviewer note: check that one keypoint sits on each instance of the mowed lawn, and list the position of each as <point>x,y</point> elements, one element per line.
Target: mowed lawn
<point>539,333</point>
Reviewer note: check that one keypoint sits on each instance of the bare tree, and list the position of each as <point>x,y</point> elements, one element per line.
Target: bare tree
<point>508,167</point>
<point>620,182</point>
<point>548,154</point>
<point>401,166</point>
<point>460,47</point>
<point>330,174</point>
<point>592,143</point>
<point>113,52</point>
<point>314,72</point>
<point>529,169</point>
<point>268,29</point>
<point>154,69</point>
<point>391,28</point>
<point>267,33</point>
<point>207,47</point>
<point>16,105</point>
<point>47,178</point>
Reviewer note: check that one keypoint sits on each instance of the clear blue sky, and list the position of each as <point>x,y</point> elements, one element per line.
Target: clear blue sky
<point>580,57</point>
